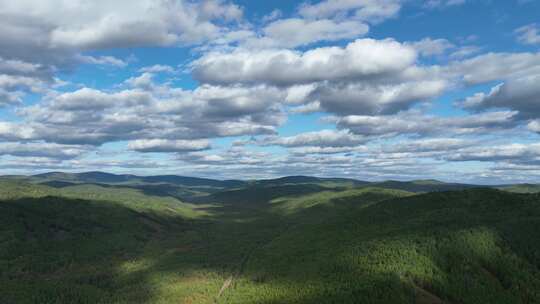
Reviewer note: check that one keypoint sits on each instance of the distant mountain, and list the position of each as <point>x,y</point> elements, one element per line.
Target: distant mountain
<point>423,186</point>
<point>300,179</point>
<point>58,184</point>
<point>109,178</point>
<point>87,177</point>
<point>157,184</point>
<point>255,194</point>
<point>192,181</point>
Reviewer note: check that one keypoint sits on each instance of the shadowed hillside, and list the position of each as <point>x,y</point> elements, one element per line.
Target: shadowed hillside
<point>267,243</point>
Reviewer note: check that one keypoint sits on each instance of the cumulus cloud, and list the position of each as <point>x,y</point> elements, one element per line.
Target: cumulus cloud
<point>163,145</point>
<point>495,67</point>
<point>520,153</point>
<point>87,99</point>
<point>14,87</point>
<point>235,156</point>
<point>39,40</point>
<point>328,21</point>
<point>143,81</point>
<point>323,138</point>
<point>295,32</point>
<point>310,107</point>
<point>372,99</point>
<point>534,126</point>
<point>12,131</point>
<point>102,60</point>
<point>429,145</point>
<point>366,76</point>
<point>89,116</point>
<point>418,124</point>
<point>9,98</point>
<point>19,67</point>
<point>113,24</point>
<point>249,78</point>
<point>326,150</point>
<point>359,59</point>
<point>521,94</point>
<point>43,150</point>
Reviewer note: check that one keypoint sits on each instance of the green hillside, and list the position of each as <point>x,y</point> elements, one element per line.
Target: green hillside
<point>128,179</point>
<point>297,241</point>
<point>474,246</point>
<point>205,185</point>
<point>422,186</point>
<point>328,182</point>
<point>521,188</point>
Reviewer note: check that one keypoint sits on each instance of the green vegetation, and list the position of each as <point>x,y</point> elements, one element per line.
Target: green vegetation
<point>422,186</point>
<point>292,240</point>
<point>521,188</point>
<point>474,246</point>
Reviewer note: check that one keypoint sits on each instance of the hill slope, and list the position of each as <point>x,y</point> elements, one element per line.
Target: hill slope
<point>127,179</point>
<point>473,246</point>
<point>289,243</point>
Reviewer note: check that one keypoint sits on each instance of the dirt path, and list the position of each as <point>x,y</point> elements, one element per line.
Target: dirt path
<point>230,280</point>
<point>226,285</point>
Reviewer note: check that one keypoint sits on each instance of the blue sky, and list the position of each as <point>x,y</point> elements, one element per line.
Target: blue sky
<point>375,90</point>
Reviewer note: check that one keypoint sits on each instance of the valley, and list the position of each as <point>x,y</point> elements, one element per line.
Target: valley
<point>95,238</point>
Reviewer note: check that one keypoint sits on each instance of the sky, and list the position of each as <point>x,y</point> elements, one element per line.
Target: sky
<point>366,89</point>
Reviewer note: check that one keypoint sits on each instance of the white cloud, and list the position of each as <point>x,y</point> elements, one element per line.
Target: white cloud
<point>42,39</point>
<point>323,138</point>
<point>144,81</point>
<point>417,124</point>
<point>233,157</point>
<point>89,116</point>
<point>157,68</point>
<point>163,145</point>
<point>297,32</point>
<point>521,94</point>
<point>430,47</point>
<point>17,84</point>
<point>361,58</point>
<point>520,153</point>
<point>90,99</point>
<point>465,51</point>
<point>529,34</point>
<point>443,3</point>
<point>275,14</point>
<point>534,126</point>
<point>365,10</point>
<point>366,76</point>
<point>496,66</point>
<point>372,99</point>
<point>10,97</point>
<point>428,145</point>
<point>325,150</point>
<point>250,77</point>
<point>19,67</point>
<point>310,107</point>
<point>102,60</point>
<point>106,24</point>
<point>45,150</point>
<point>14,131</point>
